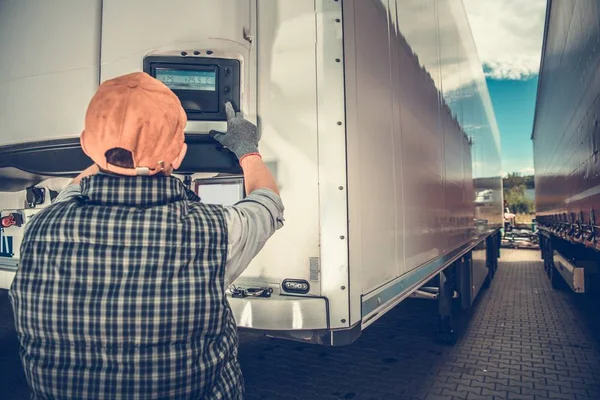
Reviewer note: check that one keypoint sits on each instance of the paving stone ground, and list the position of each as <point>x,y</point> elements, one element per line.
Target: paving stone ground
<point>523,340</point>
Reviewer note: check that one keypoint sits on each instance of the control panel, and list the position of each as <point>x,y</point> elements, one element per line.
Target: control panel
<point>202,84</point>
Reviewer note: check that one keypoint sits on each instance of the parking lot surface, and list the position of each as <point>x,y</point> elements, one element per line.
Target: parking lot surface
<point>523,340</point>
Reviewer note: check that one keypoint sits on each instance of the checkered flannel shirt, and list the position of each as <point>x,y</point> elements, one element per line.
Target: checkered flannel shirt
<point>120,294</point>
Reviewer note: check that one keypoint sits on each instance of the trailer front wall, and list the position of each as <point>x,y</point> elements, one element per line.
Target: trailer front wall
<point>280,85</point>
<point>566,134</point>
<point>49,67</point>
<point>416,98</point>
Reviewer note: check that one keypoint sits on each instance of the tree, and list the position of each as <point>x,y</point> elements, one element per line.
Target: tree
<point>515,179</point>
<point>517,203</point>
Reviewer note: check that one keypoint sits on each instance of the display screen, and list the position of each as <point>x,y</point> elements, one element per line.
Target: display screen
<point>225,194</point>
<point>177,79</point>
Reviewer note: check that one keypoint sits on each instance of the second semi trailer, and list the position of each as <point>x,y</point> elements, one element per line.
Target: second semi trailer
<point>375,118</point>
<point>566,144</point>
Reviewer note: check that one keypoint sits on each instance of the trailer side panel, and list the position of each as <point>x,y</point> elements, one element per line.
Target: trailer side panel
<point>422,140</point>
<point>566,133</point>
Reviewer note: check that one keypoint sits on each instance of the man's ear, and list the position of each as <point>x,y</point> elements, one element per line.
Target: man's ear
<point>177,162</point>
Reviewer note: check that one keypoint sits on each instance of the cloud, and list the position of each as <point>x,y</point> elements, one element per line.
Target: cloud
<point>527,171</point>
<point>523,171</point>
<point>508,35</point>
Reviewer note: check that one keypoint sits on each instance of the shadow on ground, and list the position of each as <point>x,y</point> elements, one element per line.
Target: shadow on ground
<point>397,356</point>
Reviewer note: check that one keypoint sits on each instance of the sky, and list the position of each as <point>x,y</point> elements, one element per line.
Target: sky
<point>508,35</point>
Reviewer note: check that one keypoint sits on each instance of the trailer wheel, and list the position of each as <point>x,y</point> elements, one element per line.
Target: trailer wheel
<point>445,332</point>
<point>488,281</point>
<point>446,338</point>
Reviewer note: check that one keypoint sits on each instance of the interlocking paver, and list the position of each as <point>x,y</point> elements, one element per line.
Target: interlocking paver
<point>524,341</point>
<point>539,393</point>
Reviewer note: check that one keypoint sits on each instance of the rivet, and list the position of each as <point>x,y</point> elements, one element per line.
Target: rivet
<point>339,123</point>
<point>184,53</point>
<point>338,20</point>
<point>196,53</point>
<point>343,288</point>
<point>337,60</point>
<point>209,51</point>
<point>341,188</point>
<point>343,320</point>
<point>342,237</point>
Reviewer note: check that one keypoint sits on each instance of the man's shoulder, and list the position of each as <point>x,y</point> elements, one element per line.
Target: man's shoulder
<point>51,216</point>
<point>51,211</point>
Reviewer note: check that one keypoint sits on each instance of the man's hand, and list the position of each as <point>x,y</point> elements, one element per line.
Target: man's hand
<point>242,139</point>
<point>241,136</point>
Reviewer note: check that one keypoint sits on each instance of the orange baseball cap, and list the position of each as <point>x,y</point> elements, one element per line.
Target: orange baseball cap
<point>140,114</point>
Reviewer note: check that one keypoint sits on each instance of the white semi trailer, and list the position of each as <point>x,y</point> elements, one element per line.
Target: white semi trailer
<point>566,145</point>
<point>375,118</point>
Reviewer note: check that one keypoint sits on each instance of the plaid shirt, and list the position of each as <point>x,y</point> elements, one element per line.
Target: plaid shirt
<point>120,294</point>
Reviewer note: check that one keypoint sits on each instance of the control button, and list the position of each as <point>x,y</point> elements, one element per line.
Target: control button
<point>226,71</point>
<point>227,89</point>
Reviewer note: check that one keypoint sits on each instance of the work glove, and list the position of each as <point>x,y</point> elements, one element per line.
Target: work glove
<point>241,136</point>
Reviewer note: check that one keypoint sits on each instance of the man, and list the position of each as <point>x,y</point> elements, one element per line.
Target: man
<point>121,288</point>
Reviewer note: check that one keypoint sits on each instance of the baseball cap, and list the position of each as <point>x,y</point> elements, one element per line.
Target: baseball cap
<point>138,114</point>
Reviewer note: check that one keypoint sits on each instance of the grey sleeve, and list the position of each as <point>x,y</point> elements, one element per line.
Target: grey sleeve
<point>69,193</point>
<point>250,223</point>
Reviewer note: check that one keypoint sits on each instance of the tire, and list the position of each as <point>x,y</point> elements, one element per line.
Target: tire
<point>447,338</point>
<point>488,281</point>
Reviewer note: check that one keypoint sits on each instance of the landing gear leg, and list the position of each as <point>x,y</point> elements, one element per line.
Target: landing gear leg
<point>445,333</point>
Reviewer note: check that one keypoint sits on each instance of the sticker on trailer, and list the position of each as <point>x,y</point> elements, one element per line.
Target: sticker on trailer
<point>6,245</point>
